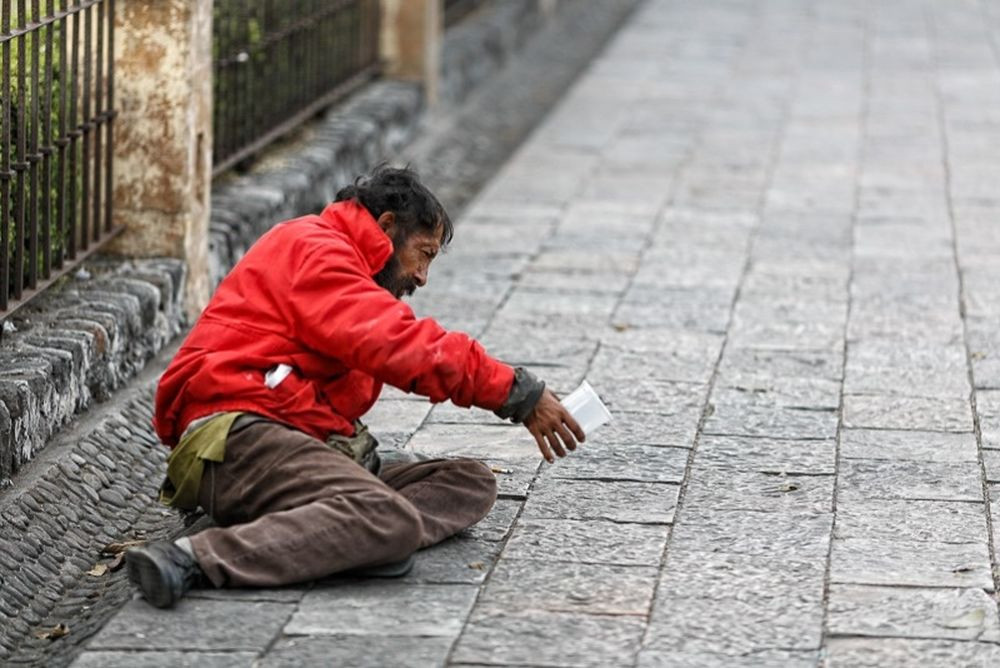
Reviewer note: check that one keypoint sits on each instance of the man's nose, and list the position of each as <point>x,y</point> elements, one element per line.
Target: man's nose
<point>420,278</point>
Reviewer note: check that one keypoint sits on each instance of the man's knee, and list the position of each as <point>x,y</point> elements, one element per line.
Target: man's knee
<point>397,520</point>
<point>478,480</point>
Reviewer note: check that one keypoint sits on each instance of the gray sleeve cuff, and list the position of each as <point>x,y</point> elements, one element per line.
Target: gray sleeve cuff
<point>524,394</point>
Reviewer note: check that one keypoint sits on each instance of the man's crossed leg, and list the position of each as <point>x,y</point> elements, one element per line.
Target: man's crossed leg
<point>291,509</point>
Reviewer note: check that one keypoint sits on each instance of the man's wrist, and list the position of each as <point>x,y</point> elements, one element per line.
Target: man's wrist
<point>525,392</point>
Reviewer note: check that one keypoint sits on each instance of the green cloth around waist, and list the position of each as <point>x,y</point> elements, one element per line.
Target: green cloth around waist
<point>186,462</point>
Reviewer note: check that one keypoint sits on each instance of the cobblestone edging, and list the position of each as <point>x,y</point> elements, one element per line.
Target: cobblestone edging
<point>77,344</point>
<point>79,500</point>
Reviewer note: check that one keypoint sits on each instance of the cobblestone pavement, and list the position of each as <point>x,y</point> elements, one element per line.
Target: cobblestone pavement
<point>766,232</point>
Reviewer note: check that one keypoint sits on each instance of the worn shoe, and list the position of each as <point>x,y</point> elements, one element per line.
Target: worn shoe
<point>163,572</point>
<point>395,569</point>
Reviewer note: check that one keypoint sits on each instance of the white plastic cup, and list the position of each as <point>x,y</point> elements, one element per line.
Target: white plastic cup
<point>586,408</point>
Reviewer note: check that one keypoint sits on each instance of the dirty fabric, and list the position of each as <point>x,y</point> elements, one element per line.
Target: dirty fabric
<point>290,508</point>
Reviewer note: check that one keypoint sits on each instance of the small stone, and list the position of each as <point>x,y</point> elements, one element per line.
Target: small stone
<point>113,497</point>
<point>106,462</point>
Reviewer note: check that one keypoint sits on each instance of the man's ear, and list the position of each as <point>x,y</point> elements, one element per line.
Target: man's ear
<point>387,221</point>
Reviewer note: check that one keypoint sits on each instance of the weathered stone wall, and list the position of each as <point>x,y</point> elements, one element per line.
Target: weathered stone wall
<point>76,344</point>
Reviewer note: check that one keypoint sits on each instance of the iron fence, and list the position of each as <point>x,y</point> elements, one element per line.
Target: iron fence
<point>279,62</point>
<point>57,104</point>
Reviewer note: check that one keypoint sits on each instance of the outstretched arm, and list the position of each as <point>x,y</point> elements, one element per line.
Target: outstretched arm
<point>540,411</point>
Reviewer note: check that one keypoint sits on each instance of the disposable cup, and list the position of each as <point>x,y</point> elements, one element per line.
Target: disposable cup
<point>586,408</point>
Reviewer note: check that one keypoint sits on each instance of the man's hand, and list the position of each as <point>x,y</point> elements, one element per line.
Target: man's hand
<point>553,427</point>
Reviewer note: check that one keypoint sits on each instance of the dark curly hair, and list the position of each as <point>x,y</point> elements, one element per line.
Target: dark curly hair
<point>400,191</point>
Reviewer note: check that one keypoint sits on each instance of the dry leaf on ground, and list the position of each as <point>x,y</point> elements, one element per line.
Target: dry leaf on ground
<point>112,549</point>
<point>98,570</point>
<point>52,633</point>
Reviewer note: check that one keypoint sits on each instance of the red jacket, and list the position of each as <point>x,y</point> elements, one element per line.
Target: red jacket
<point>304,296</point>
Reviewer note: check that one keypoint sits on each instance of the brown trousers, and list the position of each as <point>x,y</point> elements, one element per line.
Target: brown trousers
<point>291,509</point>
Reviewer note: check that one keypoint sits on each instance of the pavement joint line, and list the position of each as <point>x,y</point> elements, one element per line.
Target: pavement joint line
<point>863,114</point>
<point>893,636</point>
<point>912,587</point>
<point>955,254</point>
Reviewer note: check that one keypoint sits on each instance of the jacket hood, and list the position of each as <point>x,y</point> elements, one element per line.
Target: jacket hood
<point>352,219</point>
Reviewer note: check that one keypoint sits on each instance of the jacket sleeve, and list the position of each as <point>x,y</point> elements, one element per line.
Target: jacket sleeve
<point>336,308</point>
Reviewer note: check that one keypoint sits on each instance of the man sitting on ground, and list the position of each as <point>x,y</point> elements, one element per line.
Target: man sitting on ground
<point>261,404</point>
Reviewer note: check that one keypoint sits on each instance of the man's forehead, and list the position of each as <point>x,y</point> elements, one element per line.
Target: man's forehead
<point>433,238</point>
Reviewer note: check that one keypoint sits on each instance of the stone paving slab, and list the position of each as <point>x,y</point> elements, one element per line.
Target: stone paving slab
<point>195,624</point>
<point>512,638</point>
<point>544,585</point>
<point>959,614</point>
<point>588,541</point>
<point>863,479</point>
<point>166,659</point>
<point>599,461</point>
<point>383,608</point>
<point>909,520</point>
<point>612,500</point>
<point>878,652</point>
<point>887,561</point>
<point>933,446</point>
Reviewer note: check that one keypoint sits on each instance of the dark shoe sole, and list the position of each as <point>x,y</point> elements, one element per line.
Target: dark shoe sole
<point>145,574</point>
<point>396,569</point>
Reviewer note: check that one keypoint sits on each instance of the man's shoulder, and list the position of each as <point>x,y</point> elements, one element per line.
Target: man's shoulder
<point>305,233</point>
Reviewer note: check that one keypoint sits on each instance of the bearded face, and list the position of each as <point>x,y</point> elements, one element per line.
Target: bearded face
<point>393,278</point>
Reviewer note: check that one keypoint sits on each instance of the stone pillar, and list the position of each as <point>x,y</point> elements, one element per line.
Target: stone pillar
<point>163,134</point>
<point>410,42</point>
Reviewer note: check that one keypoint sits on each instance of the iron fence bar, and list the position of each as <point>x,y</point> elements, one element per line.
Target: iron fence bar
<point>5,170</point>
<point>31,224</point>
<point>46,150</point>
<point>61,143</point>
<point>84,232</point>
<point>73,132</point>
<point>96,127</point>
<point>20,167</point>
<point>108,122</point>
